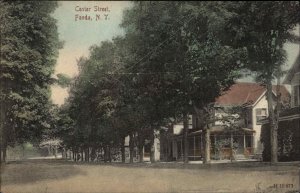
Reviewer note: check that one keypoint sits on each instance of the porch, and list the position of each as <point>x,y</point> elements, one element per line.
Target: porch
<point>224,145</point>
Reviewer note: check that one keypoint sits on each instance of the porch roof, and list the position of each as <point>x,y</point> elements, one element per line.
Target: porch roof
<point>288,114</point>
<point>221,129</point>
<point>214,130</point>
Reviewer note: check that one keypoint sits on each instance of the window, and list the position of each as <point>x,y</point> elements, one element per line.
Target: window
<point>196,122</point>
<point>296,95</point>
<point>260,114</point>
<point>248,141</point>
<point>248,117</point>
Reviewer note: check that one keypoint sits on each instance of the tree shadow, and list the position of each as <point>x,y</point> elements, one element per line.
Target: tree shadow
<point>29,171</point>
<point>237,166</point>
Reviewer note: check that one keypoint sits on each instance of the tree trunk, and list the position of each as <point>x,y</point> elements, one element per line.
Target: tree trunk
<point>1,147</point>
<point>76,155</point>
<point>109,153</point>
<point>86,155</point>
<point>206,159</point>
<point>123,150</point>
<point>4,150</point>
<point>93,153</point>
<point>278,109</point>
<point>185,138</point>
<point>152,151</point>
<point>55,151</point>
<point>23,151</point>
<point>2,121</point>
<point>231,148</point>
<point>48,148</point>
<point>0,152</point>
<point>1,172</point>
<point>141,154</point>
<point>272,123</point>
<point>1,168</point>
<point>141,146</point>
<point>101,153</point>
<point>131,147</point>
<point>105,154</point>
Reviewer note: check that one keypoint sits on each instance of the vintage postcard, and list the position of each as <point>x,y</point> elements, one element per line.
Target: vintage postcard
<point>149,96</point>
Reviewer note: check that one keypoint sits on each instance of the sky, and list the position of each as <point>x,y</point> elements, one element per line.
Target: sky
<point>79,34</point>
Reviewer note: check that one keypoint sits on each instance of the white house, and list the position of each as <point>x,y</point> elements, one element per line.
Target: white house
<point>293,79</point>
<point>251,98</point>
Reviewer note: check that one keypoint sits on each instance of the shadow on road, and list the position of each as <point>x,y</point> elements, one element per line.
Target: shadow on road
<point>31,171</point>
<point>235,166</point>
<point>252,166</point>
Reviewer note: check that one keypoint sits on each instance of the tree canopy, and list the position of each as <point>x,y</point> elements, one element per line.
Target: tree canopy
<point>174,59</point>
<point>29,48</point>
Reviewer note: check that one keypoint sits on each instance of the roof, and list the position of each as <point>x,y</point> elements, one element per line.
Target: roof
<point>214,130</point>
<point>294,69</point>
<point>247,93</point>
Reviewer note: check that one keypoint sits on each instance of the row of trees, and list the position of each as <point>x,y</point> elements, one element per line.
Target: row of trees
<point>29,48</point>
<point>175,58</point>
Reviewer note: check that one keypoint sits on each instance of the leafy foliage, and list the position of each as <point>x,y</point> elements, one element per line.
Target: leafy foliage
<point>63,80</point>
<point>175,58</point>
<point>288,141</point>
<point>29,47</point>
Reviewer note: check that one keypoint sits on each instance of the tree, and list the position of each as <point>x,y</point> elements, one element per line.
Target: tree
<point>98,100</point>
<point>29,47</point>
<point>181,62</point>
<point>263,28</point>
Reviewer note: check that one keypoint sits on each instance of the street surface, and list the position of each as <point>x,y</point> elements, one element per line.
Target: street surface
<point>59,176</point>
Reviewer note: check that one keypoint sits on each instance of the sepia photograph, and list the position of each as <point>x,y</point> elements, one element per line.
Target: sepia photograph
<point>149,96</point>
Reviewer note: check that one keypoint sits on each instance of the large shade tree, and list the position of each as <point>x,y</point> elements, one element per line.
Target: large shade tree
<point>98,97</point>
<point>29,47</point>
<point>263,28</point>
<point>181,64</point>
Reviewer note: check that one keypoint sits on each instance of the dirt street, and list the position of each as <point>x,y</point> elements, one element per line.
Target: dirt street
<point>58,176</point>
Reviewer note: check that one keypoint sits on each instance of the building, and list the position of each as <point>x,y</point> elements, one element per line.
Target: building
<point>237,114</point>
<point>289,121</point>
<point>146,148</point>
<point>252,98</point>
<point>293,79</point>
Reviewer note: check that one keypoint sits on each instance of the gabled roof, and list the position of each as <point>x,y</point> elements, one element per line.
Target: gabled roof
<point>247,93</point>
<point>294,69</point>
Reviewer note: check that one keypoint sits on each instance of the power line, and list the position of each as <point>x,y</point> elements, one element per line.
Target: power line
<point>139,73</point>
